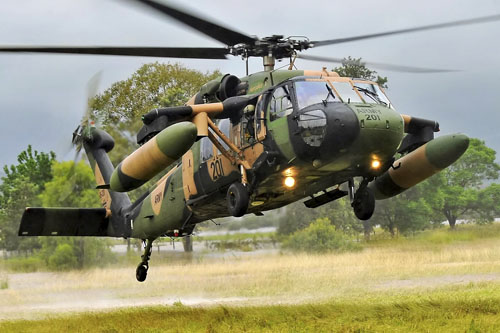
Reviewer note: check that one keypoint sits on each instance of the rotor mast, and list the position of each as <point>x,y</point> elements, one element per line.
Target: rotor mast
<point>269,61</point>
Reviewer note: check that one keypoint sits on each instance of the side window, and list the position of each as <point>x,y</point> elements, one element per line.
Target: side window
<point>260,111</point>
<point>206,149</point>
<point>224,126</point>
<point>281,103</point>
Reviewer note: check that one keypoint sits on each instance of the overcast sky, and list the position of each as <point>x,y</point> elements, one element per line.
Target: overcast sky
<point>42,97</point>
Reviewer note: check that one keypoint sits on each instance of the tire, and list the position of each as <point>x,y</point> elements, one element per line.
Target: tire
<point>141,272</point>
<point>237,199</point>
<point>364,204</point>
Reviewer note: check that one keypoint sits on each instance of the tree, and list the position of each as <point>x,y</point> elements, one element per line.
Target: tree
<point>20,188</point>
<point>462,186</point>
<point>352,67</point>
<point>488,203</point>
<point>151,86</point>
<point>121,106</point>
<point>72,185</point>
<point>405,213</point>
<point>21,193</point>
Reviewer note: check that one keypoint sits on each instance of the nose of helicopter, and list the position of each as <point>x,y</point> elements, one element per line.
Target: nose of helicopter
<point>347,134</point>
<point>321,132</point>
<point>381,131</point>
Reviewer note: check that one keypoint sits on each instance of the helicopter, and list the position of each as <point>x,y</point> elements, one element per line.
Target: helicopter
<point>251,144</point>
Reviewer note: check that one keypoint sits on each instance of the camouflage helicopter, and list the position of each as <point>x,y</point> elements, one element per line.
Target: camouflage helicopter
<point>251,144</point>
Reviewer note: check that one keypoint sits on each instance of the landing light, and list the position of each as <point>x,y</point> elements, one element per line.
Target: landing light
<point>376,164</point>
<point>289,182</point>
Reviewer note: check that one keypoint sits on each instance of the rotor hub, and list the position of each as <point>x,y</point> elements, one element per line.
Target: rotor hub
<point>275,46</point>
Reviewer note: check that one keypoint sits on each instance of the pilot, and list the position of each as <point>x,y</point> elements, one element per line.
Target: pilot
<point>248,130</point>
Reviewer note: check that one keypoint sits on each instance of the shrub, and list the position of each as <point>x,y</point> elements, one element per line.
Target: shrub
<point>320,237</point>
<point>25,264</point>
<point>63,258</point>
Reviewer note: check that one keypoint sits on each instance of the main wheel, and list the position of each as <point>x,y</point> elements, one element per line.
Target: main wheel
<point>141,272</point>
<point>364,204</point>
<point>237,199</point>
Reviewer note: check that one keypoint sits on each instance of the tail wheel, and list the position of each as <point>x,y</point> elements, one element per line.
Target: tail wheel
<point>141,272</point>
<point>364,204</point>
<point>237,199</point>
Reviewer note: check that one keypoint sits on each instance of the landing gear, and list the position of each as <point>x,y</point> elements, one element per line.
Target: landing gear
<point>363,201</point>
<point>237,199</point>
<point>142,270</point>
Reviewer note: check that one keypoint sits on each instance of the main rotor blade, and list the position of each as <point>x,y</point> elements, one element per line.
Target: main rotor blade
<point>217,32</point>
<point>477,20</point>
<point>378,65</point>
<point>92,89</point>
<point>162,52</point>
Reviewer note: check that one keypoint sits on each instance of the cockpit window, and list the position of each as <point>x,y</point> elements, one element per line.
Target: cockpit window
<point>224,126</point>
<point>312,126</point>
<point>314,92</point>
<point>281,103</point>
<point>382,96</point>
<point>372,93</point>
<point>206,149</point>
<point>347,92</point>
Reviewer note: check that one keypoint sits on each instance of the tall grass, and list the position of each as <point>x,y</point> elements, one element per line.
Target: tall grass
<point>441,236</point>
<point>4,282</point>
<point>24,264</point>
<point>471,309</point>
<point>388,283</point>
<point>290,277</point>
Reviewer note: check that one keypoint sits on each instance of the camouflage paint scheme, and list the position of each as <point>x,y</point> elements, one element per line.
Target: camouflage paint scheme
<point>194,190</point>
<point>210,198</point>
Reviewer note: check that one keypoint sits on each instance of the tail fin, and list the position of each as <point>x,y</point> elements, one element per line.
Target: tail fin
<point>97,144</point>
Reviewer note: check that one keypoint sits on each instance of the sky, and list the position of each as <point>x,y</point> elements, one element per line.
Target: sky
<point>43,97</point>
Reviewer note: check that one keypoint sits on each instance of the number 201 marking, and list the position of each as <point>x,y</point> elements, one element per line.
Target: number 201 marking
<point>217,170</point>
<point>372,117</point>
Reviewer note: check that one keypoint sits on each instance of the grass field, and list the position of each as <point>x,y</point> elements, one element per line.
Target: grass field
<point>471,308</point>
<point>436,281</point>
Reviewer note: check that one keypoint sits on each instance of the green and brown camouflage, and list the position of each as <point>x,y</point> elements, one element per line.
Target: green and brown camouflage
<point>154,156</point>
<point>314,126</point>
<point>419,165</point>
<point>357,130</point>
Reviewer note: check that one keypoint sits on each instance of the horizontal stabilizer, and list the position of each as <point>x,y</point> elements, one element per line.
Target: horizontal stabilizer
<point>64,222</point>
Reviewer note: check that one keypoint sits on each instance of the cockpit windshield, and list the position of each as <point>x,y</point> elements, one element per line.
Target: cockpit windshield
<point>372,93</point>
<point>314,92</point>
<point>347,92</point>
